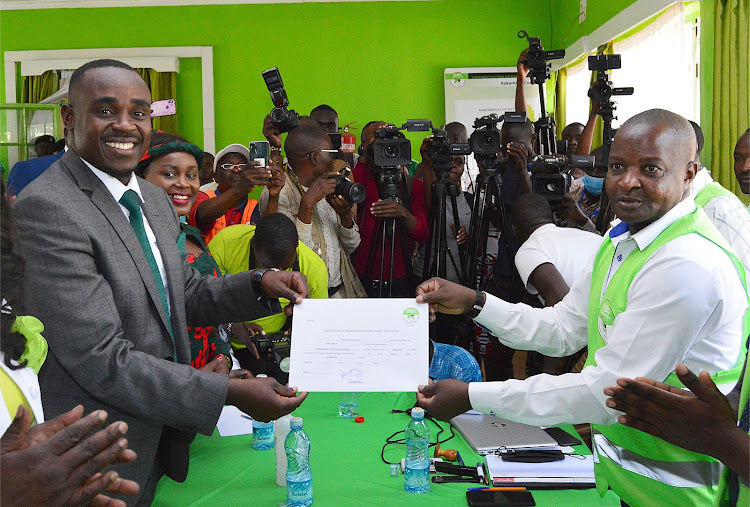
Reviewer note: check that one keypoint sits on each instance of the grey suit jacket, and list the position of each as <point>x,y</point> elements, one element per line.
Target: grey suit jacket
<point>88,281</point>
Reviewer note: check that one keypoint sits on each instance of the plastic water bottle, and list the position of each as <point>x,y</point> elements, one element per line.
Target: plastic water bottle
<point>262,433</point>
<point>299,490</point>
<point>417,466</point>
<point>349,404</point>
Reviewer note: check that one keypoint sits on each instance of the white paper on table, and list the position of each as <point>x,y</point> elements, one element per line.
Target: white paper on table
<point>571,467</point>
<point>232,421</point>
<point>359,345</point>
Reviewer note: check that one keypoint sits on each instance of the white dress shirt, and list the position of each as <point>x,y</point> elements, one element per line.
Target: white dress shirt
<point>117,189</point>
<point>685,304</point>
<point>566,248</point>
<point>728,215</point>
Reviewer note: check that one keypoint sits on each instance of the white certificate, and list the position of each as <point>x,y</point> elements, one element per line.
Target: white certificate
<point>359,345</point>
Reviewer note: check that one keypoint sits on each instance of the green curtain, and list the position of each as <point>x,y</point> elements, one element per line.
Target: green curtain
<point>561,107</point>
<point>37,88</point>
<point>163,86</point>
<point>731,84</point>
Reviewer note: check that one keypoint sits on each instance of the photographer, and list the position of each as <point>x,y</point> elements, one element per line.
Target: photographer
<point>273,244</point>
<point>408,210</point>
<point>582,208</point>
<point>324,220</point>
<point>229,204</point>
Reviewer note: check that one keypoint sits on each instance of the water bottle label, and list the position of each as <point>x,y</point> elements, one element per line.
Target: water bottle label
<point>299,491</point>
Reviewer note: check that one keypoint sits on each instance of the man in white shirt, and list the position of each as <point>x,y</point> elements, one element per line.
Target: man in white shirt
<point>684,303</point>
<point>550,257</point>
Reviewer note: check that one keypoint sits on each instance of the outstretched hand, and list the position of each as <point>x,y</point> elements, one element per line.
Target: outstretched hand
<point>698,420</point>
<point>57,462</point>
<point>263,399</point>
<point>445,297</point>
<point>445,399</point>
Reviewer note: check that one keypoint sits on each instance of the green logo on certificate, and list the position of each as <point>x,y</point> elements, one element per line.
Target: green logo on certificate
<point>411,315</point>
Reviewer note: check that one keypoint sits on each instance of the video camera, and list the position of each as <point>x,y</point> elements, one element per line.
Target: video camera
<point>536,58</point>
<point>602,91</point>
<point>441,152</point>
<point>284,119</point>
<point>549,175</point>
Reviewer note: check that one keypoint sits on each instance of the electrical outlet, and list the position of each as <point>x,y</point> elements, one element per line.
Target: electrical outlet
<point>582,12</point>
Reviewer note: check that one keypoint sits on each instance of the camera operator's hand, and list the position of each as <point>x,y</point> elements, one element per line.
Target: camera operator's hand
<point>246,332</point>
<point>393,209</point>
<point>290,285</point>
<point>323,186</point>
<point>278,177</point>
<point>343,208</point>
<point>254,174</point>
<point>424,149</point>
<point>567,209</point>
<point>461,236</point>
<point>263,399</point>
<point>271,132</point>
<point>519,155</point>
<point>522,68</point>
<point>445,297</point>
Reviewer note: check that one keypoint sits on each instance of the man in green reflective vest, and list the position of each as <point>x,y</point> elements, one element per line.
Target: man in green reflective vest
<point>664,288</point>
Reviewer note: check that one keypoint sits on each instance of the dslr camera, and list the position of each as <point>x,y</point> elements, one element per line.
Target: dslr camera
<point>353,192</point>
<point>284,119</point>
<point>549,177</point>
<point>602,91</point>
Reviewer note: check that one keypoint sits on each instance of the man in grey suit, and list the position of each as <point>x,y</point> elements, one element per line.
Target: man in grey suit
<point>115,299</point>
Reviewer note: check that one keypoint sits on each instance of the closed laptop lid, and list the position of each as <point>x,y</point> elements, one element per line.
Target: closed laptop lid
<point>487,433</point>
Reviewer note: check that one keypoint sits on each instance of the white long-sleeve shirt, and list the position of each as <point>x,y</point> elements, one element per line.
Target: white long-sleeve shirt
<point>686,304</point>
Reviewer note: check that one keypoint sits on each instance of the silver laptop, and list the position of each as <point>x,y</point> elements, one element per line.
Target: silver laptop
<point>487,433</point>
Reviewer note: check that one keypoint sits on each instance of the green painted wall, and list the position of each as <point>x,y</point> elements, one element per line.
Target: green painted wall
<point>368,60</point>
<point>567,30</point>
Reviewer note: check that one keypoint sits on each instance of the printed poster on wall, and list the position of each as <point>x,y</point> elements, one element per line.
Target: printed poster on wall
<point>473,92</point>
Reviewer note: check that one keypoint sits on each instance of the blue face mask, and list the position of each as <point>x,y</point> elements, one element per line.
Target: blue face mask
<point>593,185</point>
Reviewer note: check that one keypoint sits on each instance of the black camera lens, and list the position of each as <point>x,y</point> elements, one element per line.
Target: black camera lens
<point>487,141</point>
<point>391,151</point>
<point>352,192</point>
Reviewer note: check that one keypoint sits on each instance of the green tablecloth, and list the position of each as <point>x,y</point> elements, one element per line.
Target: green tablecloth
<point>345,460</point>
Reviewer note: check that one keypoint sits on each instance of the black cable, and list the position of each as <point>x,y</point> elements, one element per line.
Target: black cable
<point>402,441</point>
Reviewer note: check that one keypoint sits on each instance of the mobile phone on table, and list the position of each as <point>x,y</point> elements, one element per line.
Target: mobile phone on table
<point>500,498</point>
<point>563,437</point>
<point>259,151</point>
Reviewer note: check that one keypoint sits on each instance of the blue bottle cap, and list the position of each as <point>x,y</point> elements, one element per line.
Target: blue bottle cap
<point>296,422</point>
<point>417,413</point>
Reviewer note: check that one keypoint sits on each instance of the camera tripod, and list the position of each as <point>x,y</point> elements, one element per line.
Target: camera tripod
<point>442,190</point>
<point>489,193</point>
<point>386,232</point>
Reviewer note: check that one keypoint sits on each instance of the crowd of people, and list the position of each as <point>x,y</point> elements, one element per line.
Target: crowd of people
<point>135,265</point>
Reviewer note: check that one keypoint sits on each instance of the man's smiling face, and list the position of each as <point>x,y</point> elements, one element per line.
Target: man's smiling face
<point>109,120</point>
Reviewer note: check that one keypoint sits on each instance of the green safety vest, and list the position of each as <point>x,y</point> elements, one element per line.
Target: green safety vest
<point>712,190</point>
<point>640,468</point>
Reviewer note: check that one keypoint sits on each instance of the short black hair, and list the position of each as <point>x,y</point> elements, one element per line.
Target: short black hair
<point>324,107</point>
<point>46,138</point>
<point>77,77</point>
<point>276,237</point>
<point>520,130</point>
<point>530,211</point>
<point>303,139</point>
<point>698,135</point>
